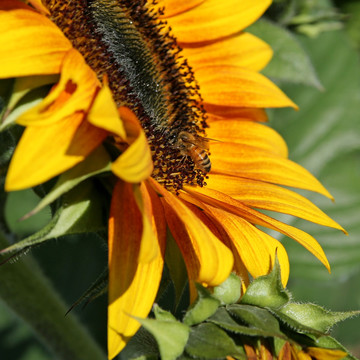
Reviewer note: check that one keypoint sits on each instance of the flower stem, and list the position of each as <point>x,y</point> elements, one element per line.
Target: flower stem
<point>29,294</point>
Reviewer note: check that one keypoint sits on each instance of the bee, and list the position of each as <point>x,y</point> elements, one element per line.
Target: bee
<point>196,147</point>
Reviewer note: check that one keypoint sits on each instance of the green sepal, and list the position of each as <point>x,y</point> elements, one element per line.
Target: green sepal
<point>257,318</point>
<point>204,306</point>
<point>229,291</point>
<point>267,290</point>
<point>171,336</point>
<point>208,341</point>
<point>314,316</point>
<point>96,163</point>
<point>290,62</point>
<point>226,322</point>
<point>78,214</point>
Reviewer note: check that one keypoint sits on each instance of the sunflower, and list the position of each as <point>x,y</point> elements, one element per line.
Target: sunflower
<point>171,89</point>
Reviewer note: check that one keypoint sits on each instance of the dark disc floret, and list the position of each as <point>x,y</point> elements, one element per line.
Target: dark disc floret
<point>128,42</point>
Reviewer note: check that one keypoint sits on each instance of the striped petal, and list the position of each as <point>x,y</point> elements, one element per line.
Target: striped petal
<point>30,44</point>
<point>248,133</point>
<point>129,278</point>
<point>266,196</point>
<point>252,163</point>
<point>214,19</point>
<point>256,249</point>
<point>227,203</point>
<point>216,112</point>
<point>74,92</point>
<point>244,50</point>
<point>46,151</point>
<point>238,87</point>
<point>208,260</point>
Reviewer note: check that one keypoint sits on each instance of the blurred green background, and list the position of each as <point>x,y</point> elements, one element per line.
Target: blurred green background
<point>324,137</point>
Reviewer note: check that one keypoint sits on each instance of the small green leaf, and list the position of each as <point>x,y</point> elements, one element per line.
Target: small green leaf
<point>226,322</point>
<point>229,291</point>
<point>96,163</point>
<point>79,214</point>
<point>257,318</point>
<point>204,306</point>
<point>315,316</point>
<point>171,336</point>
<point>208,341</point>
<point>290,62</point>
<point>267,290</point>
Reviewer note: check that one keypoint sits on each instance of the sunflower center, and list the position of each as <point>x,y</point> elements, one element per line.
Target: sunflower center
<point>126,41</point>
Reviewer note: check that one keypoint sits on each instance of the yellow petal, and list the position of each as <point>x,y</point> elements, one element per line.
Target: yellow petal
<point>249,133</point>
<point>46,151</point>
<point>252,163</point>
<point>135,163</point>
<point>30,44</point>
<point>244,50</point>
<point>258,194</point>
<point>208,260</point>
<point>225,202</point>
<point>173,7</point>
<point>132,285</point>
<point>256,249</point>
<point>38,5</point>
<point>75,92</point>
<point>214,19</point>
<point>325,354</point>
<point>216,112</point>
<point>104,113</point>
<point>239,87</point>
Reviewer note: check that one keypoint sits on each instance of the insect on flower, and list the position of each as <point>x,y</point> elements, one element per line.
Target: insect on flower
<point>195,147</point>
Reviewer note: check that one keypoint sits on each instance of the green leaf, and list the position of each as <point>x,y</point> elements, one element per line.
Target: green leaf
<point>267,290</point>
<point>257,318</point>
<point>290,62</point>
<point>315,316</point>
<point>170,335</point>
<point>28,293</point>
<point>79,214</point>
<point>229,291</point>
<point>226,322</point>
<point>204,306</point>
<point>207,341</point>
<point>96,163</point>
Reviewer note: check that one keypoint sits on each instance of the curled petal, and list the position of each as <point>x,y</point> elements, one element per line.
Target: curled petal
<point>129,278</point>
<point>135,163</point>
<point>74,92</point>
<point>24,50</point>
